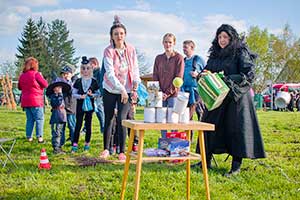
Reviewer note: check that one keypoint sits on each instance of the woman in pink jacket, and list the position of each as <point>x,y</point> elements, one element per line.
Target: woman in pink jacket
<point>120,79</point>
<point>32,84</point>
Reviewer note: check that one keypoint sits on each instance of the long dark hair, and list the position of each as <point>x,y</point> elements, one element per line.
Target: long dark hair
<point>232,48</point>
<point>116,24</point>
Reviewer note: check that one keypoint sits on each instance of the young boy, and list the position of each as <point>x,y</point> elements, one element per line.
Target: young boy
<point>58,117</point>
<point>70,103</point>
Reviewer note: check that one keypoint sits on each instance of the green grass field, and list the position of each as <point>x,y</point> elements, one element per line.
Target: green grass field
<point>276,177</point>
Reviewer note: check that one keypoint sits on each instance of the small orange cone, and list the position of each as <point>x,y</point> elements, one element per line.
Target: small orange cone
<point>44,162</point>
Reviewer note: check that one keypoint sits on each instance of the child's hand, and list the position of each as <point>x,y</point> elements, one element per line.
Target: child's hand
<point>82,96</point>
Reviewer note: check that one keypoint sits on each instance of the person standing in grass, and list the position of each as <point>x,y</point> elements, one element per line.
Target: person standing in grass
<point>193,65</point>
<point>32,84</point>
<point>121,77</point>
<point>70,103</point>
<point>56,92</point>
<point>237,130</point>
<point>167,66</point>
<point>84,87</point>
<point>99,110</point>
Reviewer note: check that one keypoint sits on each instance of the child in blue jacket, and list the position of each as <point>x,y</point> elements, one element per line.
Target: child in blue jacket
<point>58,117</point>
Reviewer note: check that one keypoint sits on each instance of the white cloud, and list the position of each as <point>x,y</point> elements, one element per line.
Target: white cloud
<point>9,23</point>
<point>145,29</point>
<point>37,3</point>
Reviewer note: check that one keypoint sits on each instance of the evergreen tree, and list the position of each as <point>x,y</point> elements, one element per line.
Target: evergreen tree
<point>60,48</point>
<point>29,43</point>
<point>44,57</point>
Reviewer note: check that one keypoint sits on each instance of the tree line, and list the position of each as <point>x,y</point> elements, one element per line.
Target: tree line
<point>278,55</point>
<point>49,43</point>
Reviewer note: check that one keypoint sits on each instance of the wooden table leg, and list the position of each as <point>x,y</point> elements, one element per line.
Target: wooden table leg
<point>203,160</point>
<point>188,169</point>
<point>139,164</point>
<point>126,168</point>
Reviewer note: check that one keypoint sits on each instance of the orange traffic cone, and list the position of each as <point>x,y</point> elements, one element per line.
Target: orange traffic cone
<point>44,162</point>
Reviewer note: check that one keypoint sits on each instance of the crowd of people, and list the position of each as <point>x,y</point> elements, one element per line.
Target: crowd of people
<point>110,91</point>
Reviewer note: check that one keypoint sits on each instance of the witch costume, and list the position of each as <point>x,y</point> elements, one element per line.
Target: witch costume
<point>237,130</point>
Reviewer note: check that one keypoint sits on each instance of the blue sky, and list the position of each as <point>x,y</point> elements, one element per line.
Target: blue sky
<point>89,21</point>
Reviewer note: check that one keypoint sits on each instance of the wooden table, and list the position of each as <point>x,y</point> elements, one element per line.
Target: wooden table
<point>141,127</point>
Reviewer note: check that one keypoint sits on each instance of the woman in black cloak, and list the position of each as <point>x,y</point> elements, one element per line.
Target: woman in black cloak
<point>237,130</point>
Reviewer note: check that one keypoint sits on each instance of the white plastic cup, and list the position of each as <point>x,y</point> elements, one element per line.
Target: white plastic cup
<point>149,115</point>
<point>161,115</point>
<point>181,102</point>
<point>185,116</point>
<point>173,117</point>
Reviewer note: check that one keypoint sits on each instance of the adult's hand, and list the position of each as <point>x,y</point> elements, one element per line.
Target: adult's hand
<point>124,97</point>
<point>194,74</point>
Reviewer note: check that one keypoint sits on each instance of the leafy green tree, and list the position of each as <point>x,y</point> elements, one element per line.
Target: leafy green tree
<point>286,55</point>
<point>259,42</point>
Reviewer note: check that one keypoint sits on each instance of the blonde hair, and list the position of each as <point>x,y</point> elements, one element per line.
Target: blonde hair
<point>190,42</point>
<point>171,35</point>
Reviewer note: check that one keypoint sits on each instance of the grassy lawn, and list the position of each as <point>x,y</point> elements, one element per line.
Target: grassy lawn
<point>276,177</point>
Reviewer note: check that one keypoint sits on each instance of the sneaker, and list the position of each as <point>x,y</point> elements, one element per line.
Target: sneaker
<point>30,139</point>
<point>40,140</point>
<point>118,149</point>
<point>135,147</point>
<point>104,154</point>
<point>59,151</point>
<point>86,147</point>
<point>112,150</point>
<point>74,149</point>
<point>122,157</point>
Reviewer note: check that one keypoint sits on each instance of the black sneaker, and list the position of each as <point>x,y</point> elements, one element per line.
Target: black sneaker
<point>59,151</point>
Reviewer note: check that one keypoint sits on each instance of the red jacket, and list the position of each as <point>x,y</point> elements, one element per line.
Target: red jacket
<point>32,84</point>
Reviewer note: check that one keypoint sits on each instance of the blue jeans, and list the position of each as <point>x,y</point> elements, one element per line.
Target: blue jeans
<point>71,122</point>
<point>57,130</point>
<point>34,115</point>
<point>71,118</point>
<point>167,103</point>
<point>99,110</point>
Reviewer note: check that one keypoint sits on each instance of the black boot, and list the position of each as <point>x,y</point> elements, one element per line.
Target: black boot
<point>208,162</point>
<point>235,167</point>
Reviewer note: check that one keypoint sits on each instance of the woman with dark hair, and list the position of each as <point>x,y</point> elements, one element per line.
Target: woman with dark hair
<point>121,77</point>
<point>237,130</point>
<point>32,85</point>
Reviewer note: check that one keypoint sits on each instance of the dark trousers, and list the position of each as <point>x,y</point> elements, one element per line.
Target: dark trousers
<point>110,102</point>
<point>88,123</point>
